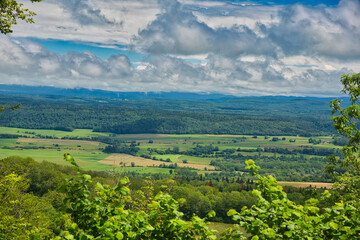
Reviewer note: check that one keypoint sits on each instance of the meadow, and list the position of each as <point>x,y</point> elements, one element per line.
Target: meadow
<point>156,152</point>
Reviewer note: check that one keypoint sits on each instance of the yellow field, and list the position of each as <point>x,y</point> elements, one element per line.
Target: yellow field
<point>117,158</point>
<point>306,184</point>
<point>57,141</point>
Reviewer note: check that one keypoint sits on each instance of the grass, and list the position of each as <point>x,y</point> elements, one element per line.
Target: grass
<point>87,161</point>
<point>89,155</point>
<point>7,142</point>
<point>55,133</point>
<point>195,160</point>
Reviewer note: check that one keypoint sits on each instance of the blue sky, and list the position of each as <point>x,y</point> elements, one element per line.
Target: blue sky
<point>243,48</point>
<point>62,47</point>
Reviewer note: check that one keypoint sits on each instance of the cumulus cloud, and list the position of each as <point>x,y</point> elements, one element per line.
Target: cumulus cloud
<point>291,30</point>
<point>329,32</point>
<point>246,76</point>
<point>21,63</point>
<point>178,31</point>
<point>105,22</point>
<point>245,49</point>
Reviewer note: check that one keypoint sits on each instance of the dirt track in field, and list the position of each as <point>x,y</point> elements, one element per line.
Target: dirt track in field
<point>117,158</point>
<point>57,141</point>
<point>306,184</point>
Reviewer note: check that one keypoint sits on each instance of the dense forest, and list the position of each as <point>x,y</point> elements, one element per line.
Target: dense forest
<point>251,116</point>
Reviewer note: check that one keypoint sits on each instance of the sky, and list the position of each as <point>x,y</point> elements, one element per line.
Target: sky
<point>241,48</point>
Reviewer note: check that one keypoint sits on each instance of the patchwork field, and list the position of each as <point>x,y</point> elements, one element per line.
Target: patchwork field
<point>195,151</point>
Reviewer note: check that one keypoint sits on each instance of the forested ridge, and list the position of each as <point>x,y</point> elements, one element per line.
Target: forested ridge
<point>139,117</point>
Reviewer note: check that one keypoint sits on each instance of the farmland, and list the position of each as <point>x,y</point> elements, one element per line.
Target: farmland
<point>159,153</point>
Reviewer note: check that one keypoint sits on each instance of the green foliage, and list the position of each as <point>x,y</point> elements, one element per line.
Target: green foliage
<point>106,215</point>
<point>11,11</point>
<point>347,170</point>
<point>22,215</point>
<point>41,177</point>
<point>3,108</point>
<point>276,217</point>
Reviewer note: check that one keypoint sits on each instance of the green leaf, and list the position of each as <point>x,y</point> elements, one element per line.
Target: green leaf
<point>124,190</point>
<point>232,212</point>
<point>211,214</point>
<point>99,186</point>
<point>334,225</point>
<point>124,181</point>
<point>291,226</point>
<point>256,193</point>
<point>119,235</point>
<point>87,177</point>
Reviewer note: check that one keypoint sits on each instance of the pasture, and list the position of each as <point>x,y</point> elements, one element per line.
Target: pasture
<point>160,149</point>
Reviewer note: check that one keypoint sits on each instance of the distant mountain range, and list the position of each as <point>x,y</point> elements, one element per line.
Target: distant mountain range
<point>83,92</point>
<point>7,89</point>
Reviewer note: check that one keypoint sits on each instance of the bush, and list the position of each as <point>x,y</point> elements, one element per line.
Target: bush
<point>106,216</point>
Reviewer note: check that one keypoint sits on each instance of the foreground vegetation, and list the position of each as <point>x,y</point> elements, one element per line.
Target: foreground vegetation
<point>94,205</point>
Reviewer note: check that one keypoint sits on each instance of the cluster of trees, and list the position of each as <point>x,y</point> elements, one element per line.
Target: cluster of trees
<point>213,151</point>
<point>121,148</point>
<point>285,168</point>
<point>314,141</point>
<point>309,151</point>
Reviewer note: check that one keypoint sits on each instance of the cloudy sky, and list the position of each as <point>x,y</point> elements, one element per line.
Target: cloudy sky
<point>298,48</point>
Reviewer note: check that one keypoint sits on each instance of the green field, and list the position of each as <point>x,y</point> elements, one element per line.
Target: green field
<point>160,146</point>
<point>86,133</point>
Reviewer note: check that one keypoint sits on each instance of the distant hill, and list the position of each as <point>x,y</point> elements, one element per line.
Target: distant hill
<point>164,112</point>
<point>83,92</point>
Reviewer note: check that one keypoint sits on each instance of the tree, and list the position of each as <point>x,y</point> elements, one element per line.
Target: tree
<point>276,217</point>
<point>347,170</point>
<point>11,11</point>
<point>22,215</point>
<point>105,215</point>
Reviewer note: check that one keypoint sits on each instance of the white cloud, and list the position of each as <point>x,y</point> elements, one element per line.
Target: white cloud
<point>201,46</point>
<point>106,22</point>
<point>318,31</point>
